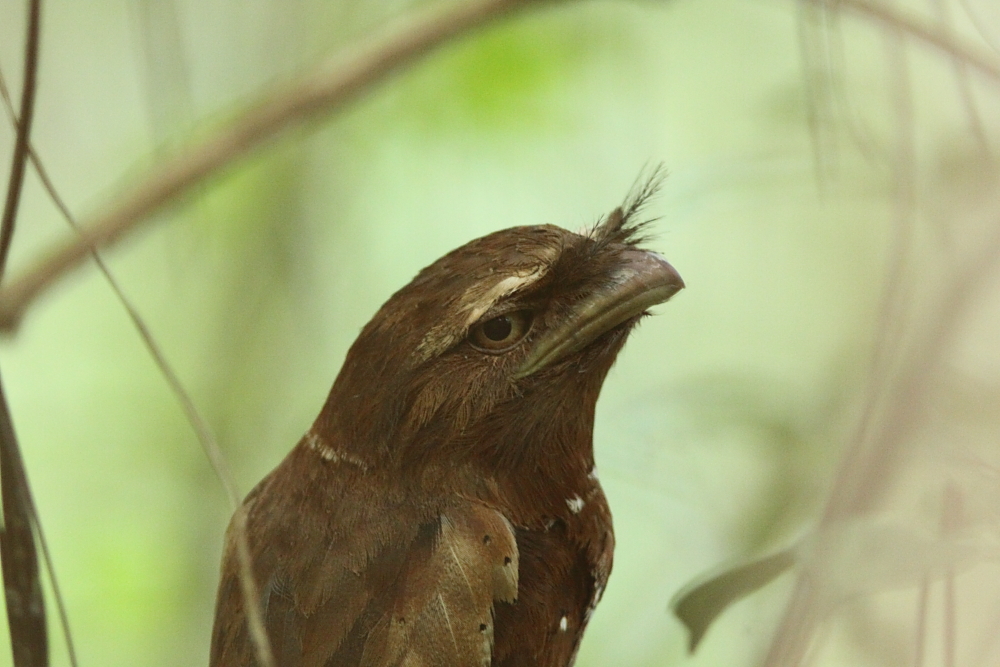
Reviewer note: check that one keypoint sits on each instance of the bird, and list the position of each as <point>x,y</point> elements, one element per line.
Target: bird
<point>444,508</point>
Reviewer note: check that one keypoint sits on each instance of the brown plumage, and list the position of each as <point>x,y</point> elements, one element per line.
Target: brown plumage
<point>444,509</point>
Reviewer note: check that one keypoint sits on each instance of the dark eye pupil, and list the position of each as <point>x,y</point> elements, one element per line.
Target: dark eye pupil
<point>498,328</point>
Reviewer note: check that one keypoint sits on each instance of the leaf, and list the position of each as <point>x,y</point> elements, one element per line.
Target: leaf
<point>700,602</point>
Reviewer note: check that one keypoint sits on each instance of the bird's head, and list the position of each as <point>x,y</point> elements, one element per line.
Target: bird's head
<point>498,348</point>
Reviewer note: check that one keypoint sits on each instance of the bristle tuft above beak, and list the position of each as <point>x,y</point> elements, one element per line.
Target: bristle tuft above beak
<point>624,224</point>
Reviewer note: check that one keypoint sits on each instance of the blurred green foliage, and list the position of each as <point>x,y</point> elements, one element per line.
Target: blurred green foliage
<point>719,427</point>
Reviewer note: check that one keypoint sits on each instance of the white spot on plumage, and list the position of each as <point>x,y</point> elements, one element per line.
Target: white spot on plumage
<point>575,504</point>
<point>563,624</point>
<point>592,475</point>
<point>598,592</point>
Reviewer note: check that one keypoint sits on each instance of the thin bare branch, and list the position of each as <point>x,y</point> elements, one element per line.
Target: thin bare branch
<point>204,434</point>
<point>330,85</point>
<point>926,31</point>
<point>248,583</point>
<point>20,157</point>
<point>962,80</point>
<point>902,371</point>
<point>18,553</point>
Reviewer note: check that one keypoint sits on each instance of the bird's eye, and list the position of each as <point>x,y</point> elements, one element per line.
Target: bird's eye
<point>500,333</point>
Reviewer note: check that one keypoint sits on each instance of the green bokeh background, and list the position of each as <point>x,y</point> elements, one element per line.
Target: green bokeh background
<point>718,429</point>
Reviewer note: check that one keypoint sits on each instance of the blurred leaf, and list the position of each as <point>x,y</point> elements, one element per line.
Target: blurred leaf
<point>700,603</point>
<point>507,78</point>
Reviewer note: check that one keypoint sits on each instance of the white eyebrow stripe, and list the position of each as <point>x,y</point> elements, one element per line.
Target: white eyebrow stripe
<point>483,302</point>
<point>477,300</point>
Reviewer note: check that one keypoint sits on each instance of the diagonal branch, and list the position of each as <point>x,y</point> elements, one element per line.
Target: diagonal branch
<point>328,87</point>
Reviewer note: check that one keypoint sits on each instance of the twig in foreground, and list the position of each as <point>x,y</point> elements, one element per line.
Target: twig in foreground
<point>204,434</point>
<point>46,555</point>
<point>18,555</point>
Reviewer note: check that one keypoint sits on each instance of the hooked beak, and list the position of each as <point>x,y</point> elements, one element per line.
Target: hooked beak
<point>642,280</point>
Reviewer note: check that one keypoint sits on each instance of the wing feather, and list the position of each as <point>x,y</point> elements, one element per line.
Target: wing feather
<point>442,613</point>
<point>381,583</point>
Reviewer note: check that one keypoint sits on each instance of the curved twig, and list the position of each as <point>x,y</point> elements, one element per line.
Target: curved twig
<point>20,158</point>
<point>22,584</point>
<point>42,542</point>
